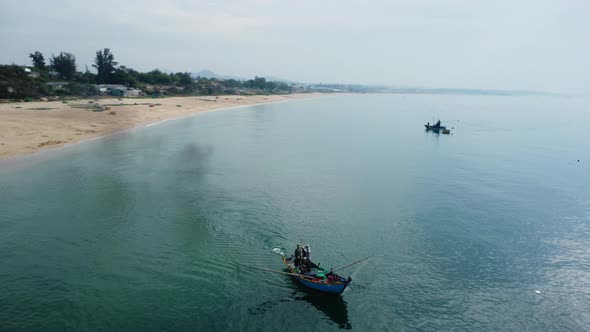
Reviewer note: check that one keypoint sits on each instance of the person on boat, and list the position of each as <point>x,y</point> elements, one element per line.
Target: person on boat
<point>428,124</point>
<point>307,252</point>
<point>308,264</point>
<point>438,124</point>
<point>298,255</point>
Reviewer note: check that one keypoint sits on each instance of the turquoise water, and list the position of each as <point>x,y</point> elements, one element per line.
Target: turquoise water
<point>485,229</point>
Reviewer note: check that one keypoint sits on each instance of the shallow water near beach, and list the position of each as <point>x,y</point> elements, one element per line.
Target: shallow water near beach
<point>484,229</point>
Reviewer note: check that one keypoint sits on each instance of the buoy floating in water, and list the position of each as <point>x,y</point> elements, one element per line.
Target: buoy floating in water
<point>538,291</point>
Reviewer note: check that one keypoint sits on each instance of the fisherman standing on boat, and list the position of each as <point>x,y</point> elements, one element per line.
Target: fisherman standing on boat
<point>298,255</point>
<point>307,258</point>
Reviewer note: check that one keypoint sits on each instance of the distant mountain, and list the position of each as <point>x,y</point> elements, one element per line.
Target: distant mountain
<point>206,73</point>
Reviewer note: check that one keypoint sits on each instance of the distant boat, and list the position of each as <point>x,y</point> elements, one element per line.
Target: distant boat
<point>436,127</point>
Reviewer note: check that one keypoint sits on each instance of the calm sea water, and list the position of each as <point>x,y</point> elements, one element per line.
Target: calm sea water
<point>485,229</point>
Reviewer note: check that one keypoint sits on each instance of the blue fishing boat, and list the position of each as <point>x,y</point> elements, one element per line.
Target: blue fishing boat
<point>310,275</point>
<point>318,279</point>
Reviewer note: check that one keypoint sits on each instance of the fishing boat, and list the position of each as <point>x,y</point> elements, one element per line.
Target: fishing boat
<point>311,275</point>
<point>436,127</point>
<point>318,279</point>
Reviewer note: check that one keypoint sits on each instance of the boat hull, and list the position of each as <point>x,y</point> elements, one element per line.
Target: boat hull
<point>433,128</point>
<point>326,287</point>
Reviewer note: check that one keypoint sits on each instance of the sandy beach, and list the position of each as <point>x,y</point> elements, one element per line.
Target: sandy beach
<point>27,127</point>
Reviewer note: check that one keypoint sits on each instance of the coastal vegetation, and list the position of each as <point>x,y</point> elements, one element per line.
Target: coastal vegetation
<point>61,77</point>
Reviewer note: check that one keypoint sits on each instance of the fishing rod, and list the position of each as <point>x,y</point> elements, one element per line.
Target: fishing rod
<point>353,263</point>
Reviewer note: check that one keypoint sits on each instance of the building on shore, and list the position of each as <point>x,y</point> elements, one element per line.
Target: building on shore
<point>119,90</point>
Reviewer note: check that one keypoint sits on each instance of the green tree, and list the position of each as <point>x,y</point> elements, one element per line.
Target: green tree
<point>260,83</point>
<point>64,64</point>
<point>126,76</point>
<point>15,83</point>
<point>87,77</point>
<point>283,87</point>
<point>231,83</point>
<point>105,65</point>
<point>185,79</point>
<point>257,83</point>
<point>271,85</point>
<point>38,60</point>
<point>155,77</point>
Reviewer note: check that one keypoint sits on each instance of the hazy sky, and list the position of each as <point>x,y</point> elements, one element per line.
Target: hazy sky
<point>535,45</point>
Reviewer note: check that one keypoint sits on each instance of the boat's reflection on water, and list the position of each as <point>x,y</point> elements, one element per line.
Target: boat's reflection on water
<point>332,307</point>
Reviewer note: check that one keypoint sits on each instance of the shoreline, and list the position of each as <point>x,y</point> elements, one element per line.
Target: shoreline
<point>31,128</point>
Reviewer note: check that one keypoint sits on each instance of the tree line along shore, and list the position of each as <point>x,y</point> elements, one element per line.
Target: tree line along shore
<point>59,77</point>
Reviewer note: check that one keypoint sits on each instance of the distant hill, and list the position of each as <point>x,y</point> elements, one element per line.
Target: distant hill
<point>206,73</point>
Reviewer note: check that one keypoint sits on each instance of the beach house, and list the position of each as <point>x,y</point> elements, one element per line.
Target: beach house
<point>119,90</point>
